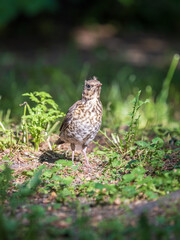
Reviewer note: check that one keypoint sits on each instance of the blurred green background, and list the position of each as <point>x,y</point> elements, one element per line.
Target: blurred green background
<point>50,45</point>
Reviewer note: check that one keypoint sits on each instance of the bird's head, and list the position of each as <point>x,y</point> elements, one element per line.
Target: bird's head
<point>92,89</point>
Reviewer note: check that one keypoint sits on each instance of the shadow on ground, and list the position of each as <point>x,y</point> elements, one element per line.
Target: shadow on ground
<point>51,157</point>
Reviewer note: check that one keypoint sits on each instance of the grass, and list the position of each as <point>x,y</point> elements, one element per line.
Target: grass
<point>65,79</point>
<point>43,196</point>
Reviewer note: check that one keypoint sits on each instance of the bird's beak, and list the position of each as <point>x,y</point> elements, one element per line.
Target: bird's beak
<point>100,84</point>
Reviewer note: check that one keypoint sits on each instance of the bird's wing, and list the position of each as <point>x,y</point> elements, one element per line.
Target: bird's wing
<point>69,115</point>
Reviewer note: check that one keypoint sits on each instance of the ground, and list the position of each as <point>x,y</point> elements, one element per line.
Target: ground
<point>71,206</point>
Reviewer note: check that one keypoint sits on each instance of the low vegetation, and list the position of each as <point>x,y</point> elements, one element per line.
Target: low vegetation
<point>43,196</point>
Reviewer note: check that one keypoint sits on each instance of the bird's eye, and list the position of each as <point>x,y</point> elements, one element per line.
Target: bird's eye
<point>88,86</point>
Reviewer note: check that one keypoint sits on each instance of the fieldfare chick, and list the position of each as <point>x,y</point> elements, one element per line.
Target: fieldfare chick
<point>83,119</point>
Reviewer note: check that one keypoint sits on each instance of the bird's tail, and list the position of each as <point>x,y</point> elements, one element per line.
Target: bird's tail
<point>59,141</point>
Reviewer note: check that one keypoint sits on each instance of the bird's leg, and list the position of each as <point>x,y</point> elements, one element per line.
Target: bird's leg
<point>73,149</point>
<point>85,155</point>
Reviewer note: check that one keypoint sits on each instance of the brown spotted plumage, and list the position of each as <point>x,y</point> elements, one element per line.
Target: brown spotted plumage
<point>83,119</point>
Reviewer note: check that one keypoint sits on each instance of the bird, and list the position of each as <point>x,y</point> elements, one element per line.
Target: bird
<point>83,119</point>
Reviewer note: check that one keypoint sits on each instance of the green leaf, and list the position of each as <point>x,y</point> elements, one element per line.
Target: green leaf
<point>65,192</point>
<point>116,163</point>
<point>68,180</point>
<point>142,144</point>
<point>129,191</point>
<point>128,177</point>
<point>158,141</point>
<point>138,171</point>
<point>42,94</point>
<point>26,94</point>
<point>56,178</point>
<point>177,143</point>
<point>99,186</point>
<point>151,194</point>
<point>48,173</point>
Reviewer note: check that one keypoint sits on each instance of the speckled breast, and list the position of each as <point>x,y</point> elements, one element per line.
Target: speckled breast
<point>85,123</point>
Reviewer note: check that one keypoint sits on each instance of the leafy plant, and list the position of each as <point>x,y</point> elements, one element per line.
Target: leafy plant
<point>10,227</point>
<point>5,178</point>
<point>38,122</point>
<point>7,139</point>
<point>22,192</point>
<point>151,152</point>
<point>119,147</point>
<point>130,136</point>
<point>139,184</point>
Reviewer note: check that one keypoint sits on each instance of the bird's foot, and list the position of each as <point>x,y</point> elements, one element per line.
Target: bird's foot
<point>88,165</point>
